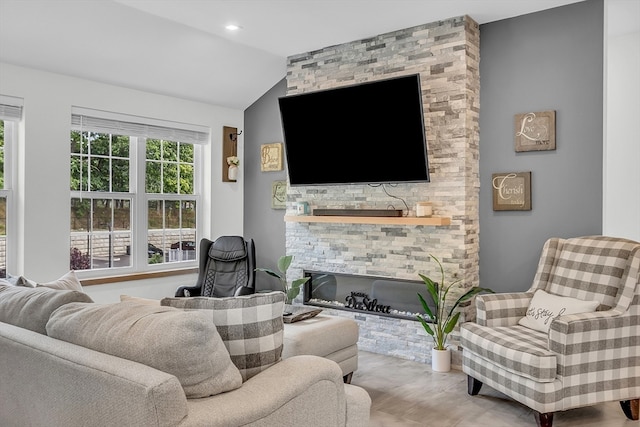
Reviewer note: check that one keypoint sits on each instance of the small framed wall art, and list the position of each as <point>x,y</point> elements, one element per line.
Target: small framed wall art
<point>271,157</point>
<point>279,195</point>
<point>535,131</point>
<point>511,191</point>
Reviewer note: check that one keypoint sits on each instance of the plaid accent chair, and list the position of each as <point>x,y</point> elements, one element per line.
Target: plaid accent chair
<point>585,358</point>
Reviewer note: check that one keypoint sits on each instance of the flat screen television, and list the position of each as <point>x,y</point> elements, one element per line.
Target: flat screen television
<point>368,133</point>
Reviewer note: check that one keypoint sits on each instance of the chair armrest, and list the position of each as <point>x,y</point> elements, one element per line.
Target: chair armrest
<point>194,291</point>
<point>602,339</point>
<point>501,309</point>
<point>591,330</point>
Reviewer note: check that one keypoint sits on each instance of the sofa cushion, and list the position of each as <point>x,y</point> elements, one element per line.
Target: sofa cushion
<point>30,308</point>
<point>181,343</point>
<point>140,300</point>
<point>545,307</point>
<point>517,349</point>
<point>251,327</point>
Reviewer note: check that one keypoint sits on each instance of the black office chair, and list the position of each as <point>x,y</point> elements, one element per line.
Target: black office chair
<point>226,268</point>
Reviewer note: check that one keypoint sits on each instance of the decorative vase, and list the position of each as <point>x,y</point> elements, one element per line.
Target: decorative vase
<point>233,172</point>
<point>441,360</point>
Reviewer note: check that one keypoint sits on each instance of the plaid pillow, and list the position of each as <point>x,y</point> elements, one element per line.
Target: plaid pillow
<point>251,327</point>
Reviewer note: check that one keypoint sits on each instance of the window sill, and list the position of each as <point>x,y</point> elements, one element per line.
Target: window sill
<point>136,276</point>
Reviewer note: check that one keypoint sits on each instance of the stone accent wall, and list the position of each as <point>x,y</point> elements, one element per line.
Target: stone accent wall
<point>446,55</point>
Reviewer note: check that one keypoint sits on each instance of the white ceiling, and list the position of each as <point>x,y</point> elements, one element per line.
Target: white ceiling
<point>181,47</point>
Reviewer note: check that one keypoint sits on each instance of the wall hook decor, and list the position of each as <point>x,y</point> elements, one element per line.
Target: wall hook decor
<point>234,136</point>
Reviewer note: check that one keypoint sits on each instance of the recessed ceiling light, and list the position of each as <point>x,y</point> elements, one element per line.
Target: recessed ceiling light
<point>232,27</point>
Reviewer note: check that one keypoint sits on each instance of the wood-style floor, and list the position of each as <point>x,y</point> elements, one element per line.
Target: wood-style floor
<point>406,393</point>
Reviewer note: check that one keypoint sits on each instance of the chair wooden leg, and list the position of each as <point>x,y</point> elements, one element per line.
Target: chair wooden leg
<point>473,385</point>
<point>543,420</point>
<point>631,408</point>
<point>347,378</point>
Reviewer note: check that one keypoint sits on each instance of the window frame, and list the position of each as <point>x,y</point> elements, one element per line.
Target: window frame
<point>11,129</point>
<point>11,115</point>
<point>139,208</point>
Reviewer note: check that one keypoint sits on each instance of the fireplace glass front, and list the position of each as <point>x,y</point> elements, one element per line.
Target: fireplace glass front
<point>380,295</point>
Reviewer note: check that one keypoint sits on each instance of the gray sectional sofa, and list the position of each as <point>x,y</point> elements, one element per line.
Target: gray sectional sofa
<point>56,370</point>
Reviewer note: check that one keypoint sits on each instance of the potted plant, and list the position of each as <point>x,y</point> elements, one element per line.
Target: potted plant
<point>283,265</point>
<point>233,163</point>
<point>442,319</point>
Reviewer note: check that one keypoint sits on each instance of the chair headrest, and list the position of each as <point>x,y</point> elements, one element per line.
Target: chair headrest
<point>228,248</point>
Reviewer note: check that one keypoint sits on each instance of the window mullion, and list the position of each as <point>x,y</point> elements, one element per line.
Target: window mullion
<point>110,159</point>
<point>161,166</point>
<point>140,209</point>
<point>179,170</point>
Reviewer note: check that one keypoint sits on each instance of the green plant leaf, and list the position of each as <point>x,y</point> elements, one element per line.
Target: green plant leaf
<point>269,272</point>
<point>467,296</point>
<point>284,262</point>
<point>431,287</point>
<point>425,325</point>
<point>451,323</point>
<point>299,282</point>
<point>426,308</point>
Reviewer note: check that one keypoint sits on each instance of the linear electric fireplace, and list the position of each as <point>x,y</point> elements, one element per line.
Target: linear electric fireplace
<point>378,295</point>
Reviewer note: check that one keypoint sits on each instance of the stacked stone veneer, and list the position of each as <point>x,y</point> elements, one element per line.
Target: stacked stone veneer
<point>446,55</point>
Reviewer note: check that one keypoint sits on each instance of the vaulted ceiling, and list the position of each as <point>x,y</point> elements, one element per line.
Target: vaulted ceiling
<point>181,48</point>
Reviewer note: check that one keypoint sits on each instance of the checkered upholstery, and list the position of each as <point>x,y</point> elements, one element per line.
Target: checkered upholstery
<point>585,358</point>
<point>250,326</point>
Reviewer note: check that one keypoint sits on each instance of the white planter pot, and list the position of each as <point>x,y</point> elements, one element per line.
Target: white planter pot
<point>441,360</point>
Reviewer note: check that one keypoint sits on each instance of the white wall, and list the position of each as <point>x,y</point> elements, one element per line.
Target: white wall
<point>621,191</point>
<point>42,244</point>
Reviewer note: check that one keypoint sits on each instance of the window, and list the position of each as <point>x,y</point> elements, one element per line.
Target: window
<point>10,115</point>
<point>135,189</point>
<point>101,201</point>
<point>171,207</point>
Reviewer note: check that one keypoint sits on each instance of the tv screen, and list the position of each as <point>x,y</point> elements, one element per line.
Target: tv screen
<point>361,134</point>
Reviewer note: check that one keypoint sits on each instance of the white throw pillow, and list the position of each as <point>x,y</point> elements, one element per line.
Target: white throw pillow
<point>67,282</point>
<point>545,307</point>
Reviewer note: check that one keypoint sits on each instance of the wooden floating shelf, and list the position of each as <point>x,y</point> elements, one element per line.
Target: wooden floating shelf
<point>436,221</point>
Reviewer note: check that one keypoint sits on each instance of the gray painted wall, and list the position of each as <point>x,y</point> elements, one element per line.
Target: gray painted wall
<point>551,60</point>
<point>263,224</point>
